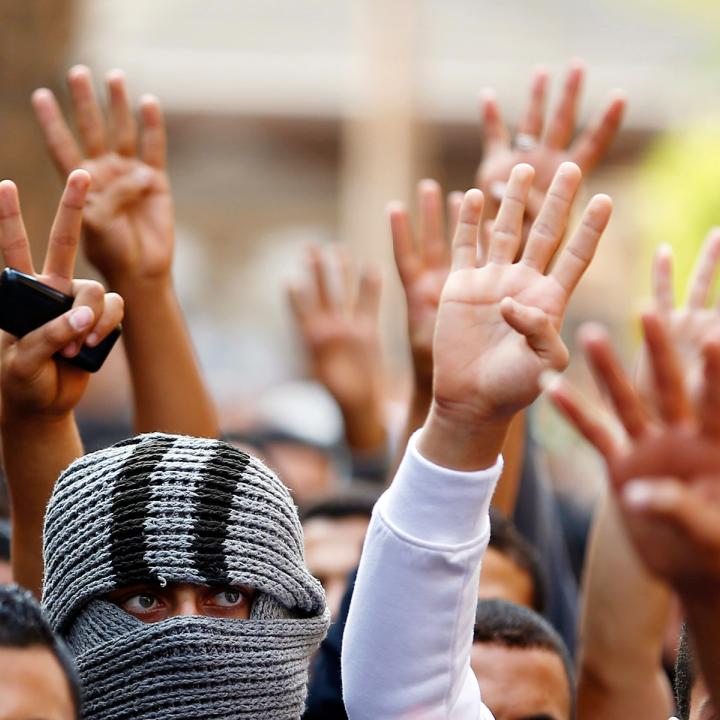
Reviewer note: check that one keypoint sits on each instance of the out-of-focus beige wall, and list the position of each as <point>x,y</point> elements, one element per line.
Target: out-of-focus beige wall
<point>292,122</point>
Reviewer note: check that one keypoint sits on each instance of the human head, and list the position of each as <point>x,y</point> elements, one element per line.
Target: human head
<point>171,511</point>
<point>334,531</point>
<point>691,694</point>
<point>511,569</point>
<point>38,679</point>
<point>521,663</point>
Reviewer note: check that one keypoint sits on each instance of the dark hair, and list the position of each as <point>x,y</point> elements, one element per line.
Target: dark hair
<point>354,501</point>
<point>507,540</point>
<point>22,625</point>
<point>505,623</point>
<point>684,675</point>
<point>4,539</point>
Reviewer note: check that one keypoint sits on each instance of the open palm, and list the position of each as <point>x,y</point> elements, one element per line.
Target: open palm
<point>499,320</point>
<point>544,152</point>
<point>128,220</point>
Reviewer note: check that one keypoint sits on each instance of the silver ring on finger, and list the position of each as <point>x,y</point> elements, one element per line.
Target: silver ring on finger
<point>525,142</point>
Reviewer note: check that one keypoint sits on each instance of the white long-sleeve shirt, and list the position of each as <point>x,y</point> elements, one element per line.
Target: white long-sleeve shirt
<point>406,648</point>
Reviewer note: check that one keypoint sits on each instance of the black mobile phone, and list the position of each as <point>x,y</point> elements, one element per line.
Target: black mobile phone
<point>26,304</point>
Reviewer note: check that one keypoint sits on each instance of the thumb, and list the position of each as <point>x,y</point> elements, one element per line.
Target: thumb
<point>37,347</point>
<point>541,335</point>
<point>121,191</point>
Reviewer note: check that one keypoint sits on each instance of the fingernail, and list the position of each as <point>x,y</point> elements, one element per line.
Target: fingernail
<point>497,189</point>
<point>637,494</point>
<point>91,340</point>
<point>549,380</point>
<point>80,318</point>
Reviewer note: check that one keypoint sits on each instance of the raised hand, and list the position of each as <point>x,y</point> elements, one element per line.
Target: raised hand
<point>545,152</point>
<point>499,319</point>
<point>689,325</point>
<point>339,324</point>
<point>128,220</point>
<point>33,381</point>
<point>423,267</point>
<point>666,472</point>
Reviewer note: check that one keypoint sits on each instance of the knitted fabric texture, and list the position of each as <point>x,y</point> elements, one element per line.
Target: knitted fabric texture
<point>192,667</point>
<point>170,509</point>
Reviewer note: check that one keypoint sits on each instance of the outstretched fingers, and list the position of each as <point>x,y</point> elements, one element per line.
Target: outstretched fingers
<point>532,122</point>
<point>123,127</point>
<point>14,244</point>
<point>662,280</point>
<point>562,125</point>
<point>567,400</point>
<point>547,231</point>
<point>406,257</point>
<point>671,397</point>
<point>710,401</point>
<point>495,133</point>
<point>368,296</point>
<point>88,116</point>
<point>506,234</point>
<point>65,232</point>
<point>467,234</point>
<point>593,143</point>
<point>705,271</point>
<point>153,149</point>
<point>61,144</point>
<point>610,375</point>
<point>576,256</point>
<point>432,223</point>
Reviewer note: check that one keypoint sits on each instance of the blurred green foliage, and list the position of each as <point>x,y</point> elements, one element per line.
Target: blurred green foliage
<point>679,187</point>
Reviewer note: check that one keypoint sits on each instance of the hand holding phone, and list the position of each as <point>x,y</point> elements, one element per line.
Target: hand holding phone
<point>27,304</point>
<point>56,324</point>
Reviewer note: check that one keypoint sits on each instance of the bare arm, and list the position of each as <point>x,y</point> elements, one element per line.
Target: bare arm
<point>39,392</point>
<point>129,237</point>
<point>625,613</point>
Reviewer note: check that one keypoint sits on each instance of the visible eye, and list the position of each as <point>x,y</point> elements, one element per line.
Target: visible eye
<point>229,597</point>
<point>140,603</point>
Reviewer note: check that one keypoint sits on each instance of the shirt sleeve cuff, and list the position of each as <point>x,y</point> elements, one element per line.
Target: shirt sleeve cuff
<point>438,506</point>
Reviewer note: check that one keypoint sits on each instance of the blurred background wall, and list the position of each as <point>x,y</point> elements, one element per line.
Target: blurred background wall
<point>295,121</point>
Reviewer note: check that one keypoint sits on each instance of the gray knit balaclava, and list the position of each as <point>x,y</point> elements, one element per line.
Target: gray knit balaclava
<point>170,509</point>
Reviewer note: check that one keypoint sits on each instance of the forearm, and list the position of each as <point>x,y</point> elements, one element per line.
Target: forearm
<point>513,454</point>
<point>364,425</point>
<point>407,641</point>
<point>624,616</point>
<point>418,409</point>
<point>169,392</point>
<point>35,452</point>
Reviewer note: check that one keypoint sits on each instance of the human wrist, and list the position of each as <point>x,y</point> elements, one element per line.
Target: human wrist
<point>142,289</point>
<point>364,427</point>
<point>17,421</point>
<point>459,442</point>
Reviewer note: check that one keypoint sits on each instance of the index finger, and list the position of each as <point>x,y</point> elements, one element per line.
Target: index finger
<point>65,232</point>
<point>14,244</point>
<point>705,271</point>
<point>60,142</point>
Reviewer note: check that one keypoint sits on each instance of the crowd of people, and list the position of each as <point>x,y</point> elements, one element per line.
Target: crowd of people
<point>416,572</point>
